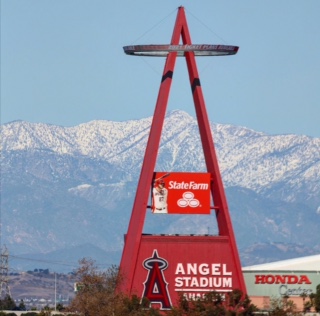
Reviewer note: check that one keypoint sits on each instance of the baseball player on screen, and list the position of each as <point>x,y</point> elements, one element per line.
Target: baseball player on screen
<point>160,196</point>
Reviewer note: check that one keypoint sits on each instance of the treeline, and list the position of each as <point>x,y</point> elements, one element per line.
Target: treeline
<point>97,296</point>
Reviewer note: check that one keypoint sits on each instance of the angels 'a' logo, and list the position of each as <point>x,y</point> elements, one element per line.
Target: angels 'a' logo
<point>155,286</point>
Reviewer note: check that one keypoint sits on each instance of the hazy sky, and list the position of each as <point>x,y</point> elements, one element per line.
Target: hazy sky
<point>62,61</point>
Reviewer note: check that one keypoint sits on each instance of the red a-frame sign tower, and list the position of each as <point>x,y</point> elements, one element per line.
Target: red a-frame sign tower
<point>178,255</point>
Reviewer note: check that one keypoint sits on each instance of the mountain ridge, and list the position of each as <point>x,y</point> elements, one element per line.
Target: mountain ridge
<point>84,177</point>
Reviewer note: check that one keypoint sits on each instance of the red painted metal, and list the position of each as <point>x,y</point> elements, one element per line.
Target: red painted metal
<point>134,249</point>
<point>223,216</point>
<point>132,243</point>
<point>208,256</point>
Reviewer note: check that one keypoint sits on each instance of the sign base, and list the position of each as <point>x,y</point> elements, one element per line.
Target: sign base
<point>170,266</point>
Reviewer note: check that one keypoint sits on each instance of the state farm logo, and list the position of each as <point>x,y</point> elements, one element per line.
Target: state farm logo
<point>181,193</point>
<point>191,185</point>
<point>155,286</point>
<point>188,200</point>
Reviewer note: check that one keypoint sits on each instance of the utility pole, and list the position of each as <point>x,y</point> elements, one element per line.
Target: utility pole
<point>55,291</point>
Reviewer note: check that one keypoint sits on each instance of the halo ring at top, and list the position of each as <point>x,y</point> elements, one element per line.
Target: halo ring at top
<point>164,50</point>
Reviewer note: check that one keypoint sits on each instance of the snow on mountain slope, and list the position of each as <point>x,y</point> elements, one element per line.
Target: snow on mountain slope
<point>67,186</point>
<point>247,158</point>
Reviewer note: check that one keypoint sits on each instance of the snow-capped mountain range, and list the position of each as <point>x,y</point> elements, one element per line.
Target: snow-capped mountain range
<point>64,187</point>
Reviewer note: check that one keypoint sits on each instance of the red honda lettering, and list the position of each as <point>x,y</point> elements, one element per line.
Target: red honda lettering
<point>280,279</point>
<point>304,279</point>
<point>270,279</point>
<point>260,279</point>
<point>292,279</point>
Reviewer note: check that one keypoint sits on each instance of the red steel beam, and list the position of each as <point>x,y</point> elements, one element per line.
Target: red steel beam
<point>135,228</point>
<point>133,237</point>
<point>217,189</point>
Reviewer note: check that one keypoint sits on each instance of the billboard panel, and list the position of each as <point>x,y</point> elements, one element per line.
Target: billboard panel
<point>181,193</point>
<point>170,266</point>
<point>281,283</point>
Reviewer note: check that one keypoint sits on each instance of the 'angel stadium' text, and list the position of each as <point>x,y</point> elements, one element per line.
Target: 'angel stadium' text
<point>195,276</point>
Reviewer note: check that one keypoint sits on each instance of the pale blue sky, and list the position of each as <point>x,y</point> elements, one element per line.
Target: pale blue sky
<point>62,61</point>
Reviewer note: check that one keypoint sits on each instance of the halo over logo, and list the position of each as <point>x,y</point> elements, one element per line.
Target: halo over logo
<point>155,286</point>
<point>188,200</point>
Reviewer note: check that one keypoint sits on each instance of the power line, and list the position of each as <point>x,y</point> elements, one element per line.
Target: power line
<point>153,27</point>
<point>62,263</point>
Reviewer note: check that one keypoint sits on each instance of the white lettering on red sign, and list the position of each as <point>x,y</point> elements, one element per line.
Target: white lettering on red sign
<point>174,185</point>
<point>202,268</point>
<point>202,275</point>
<point>211,282</point>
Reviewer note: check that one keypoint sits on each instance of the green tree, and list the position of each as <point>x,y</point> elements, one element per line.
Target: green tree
<point>59,307</point>
<point>96,294</point>
<point>276,307</point>
<point>283,306</point>
<point>21,306</point>
<point>7,303</point>
<point>44,312</point>
<point>214,304</point>
<point>317,299</point>
<point>307,306</point>
<point>96,290</point>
